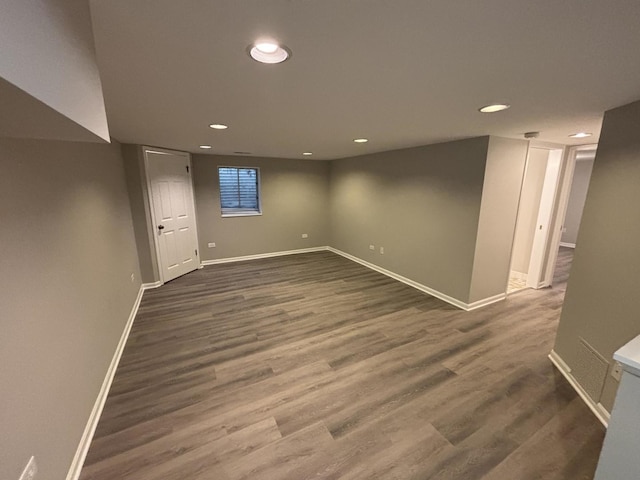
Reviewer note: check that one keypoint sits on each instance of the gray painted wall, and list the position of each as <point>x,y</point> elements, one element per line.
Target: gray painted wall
<point>602,301</point>
<point>506,160</point>
<point>577,197</point>
<point>528,210</point>
<point>295,199</point>
<point>421,204</point>
<point>48,52</point>
<point>68,252</point>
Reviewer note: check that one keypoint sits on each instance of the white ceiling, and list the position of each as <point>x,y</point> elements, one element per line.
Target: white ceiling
<point>399,72</point>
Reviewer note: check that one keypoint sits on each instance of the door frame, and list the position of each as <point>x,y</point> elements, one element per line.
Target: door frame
<point>551,190</point>
<point>152,226</point>
<point>544,221</point>
<point>562,205</point>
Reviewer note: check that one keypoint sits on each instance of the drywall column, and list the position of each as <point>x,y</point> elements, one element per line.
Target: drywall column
<point>602,303</point>
<point>619,457</point>
<point>506,160</point>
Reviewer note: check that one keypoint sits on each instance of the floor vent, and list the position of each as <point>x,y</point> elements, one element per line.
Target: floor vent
<point>590,370</point>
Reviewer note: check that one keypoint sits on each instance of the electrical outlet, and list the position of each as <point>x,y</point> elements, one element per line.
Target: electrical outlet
<point>616,372</point>
<point>133,277</point>
<point>211,244</point>
<point>372,247</point>
<point>381,250</point>
<point>29,472</point>
<point>305,235</point>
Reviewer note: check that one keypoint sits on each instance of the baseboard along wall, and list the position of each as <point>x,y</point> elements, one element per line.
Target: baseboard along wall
<point>94,417</point>
<point>423,288</point>
<point>263,255</point>
<point>442,296</point>
<point>598,409</point>
<point>565,244</point>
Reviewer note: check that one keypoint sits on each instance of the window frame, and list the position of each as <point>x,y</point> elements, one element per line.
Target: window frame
<point>240,212</point>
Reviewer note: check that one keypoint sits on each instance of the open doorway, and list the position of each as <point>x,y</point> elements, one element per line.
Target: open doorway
<point>580,161</point>
<point>537,204</point>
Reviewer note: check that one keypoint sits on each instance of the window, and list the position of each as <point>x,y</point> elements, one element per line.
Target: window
<point>239,191</point>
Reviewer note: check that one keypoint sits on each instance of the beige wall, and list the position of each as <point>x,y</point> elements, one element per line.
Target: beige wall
<point>295,200</point>
<point>602,304</point>
<point>421,204</point>
<point>528,210</point>
<point>498,212</point>
<point>65,294</point>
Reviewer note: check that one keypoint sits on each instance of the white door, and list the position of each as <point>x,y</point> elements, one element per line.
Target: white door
<point>174,225</point>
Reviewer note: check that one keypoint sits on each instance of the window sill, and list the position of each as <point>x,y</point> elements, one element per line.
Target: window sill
<point>241,214</point>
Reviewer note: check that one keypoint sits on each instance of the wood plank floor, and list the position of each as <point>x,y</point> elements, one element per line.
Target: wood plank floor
<point>312,366</point>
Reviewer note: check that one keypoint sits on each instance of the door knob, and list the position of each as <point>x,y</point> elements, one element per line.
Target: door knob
<point>160,227</point>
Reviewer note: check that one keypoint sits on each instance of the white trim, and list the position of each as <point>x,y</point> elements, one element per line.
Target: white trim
<point>395,276</point>
<point>542,236</point>
<point>423,288</point>
<point>566,244</point>
<point>94,417</point>
<point>485,301</point>
<point>453,301</point>
<point>150,286</point>
<point>264,255</point>
<point>545,145</point>
<point>597,408</point>
<point>569,160</point>
<point>241,214</point>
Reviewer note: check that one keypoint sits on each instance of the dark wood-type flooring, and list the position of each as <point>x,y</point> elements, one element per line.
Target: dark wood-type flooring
<point>312,366</point>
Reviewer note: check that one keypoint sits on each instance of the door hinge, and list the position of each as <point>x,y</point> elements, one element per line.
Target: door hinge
<point>187,168</point>
<point>196,252</point>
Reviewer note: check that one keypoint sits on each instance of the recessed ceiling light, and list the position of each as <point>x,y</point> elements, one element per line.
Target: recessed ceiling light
<point>268,52</point>
<point>497,107</point>
<point>580,135</point>
<point>267,47</point>
<point>361,140</point>
<point>307,153</point>
<point>205,146</point>
<point>218,126</point>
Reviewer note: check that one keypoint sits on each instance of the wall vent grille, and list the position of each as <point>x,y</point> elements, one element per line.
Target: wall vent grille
<point>590,370</point>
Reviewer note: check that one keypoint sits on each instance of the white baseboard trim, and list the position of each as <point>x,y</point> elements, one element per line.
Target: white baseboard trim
<point>485,301</point>
<point>598,409</point>
<point>149,286</point>
<point>423,288</point>
<point>94,417</point>
<point>400,278</point>
<point>565,244</point>
<point>263,255</point>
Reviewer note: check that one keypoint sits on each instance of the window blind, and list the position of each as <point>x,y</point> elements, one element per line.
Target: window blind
<point>239,190</point>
